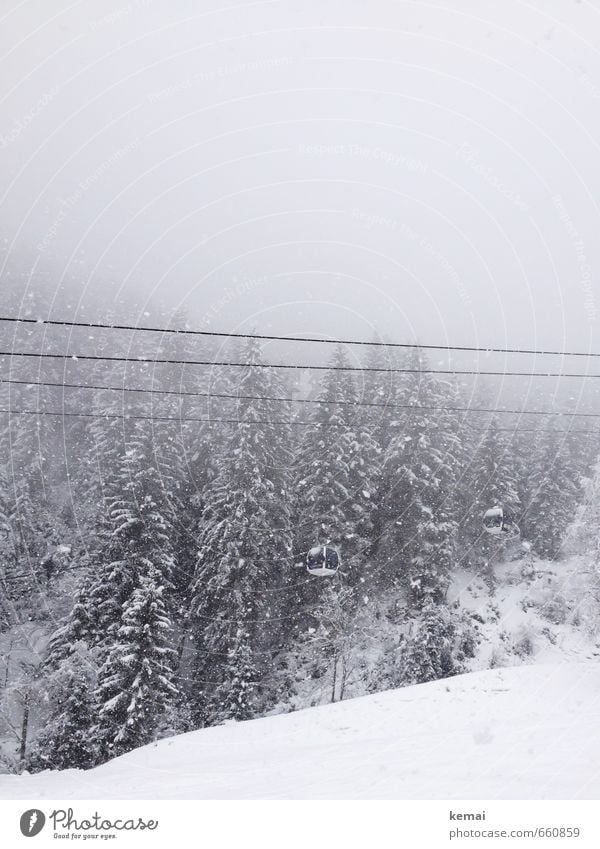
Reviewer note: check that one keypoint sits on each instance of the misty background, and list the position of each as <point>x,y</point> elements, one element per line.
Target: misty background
<point>427,170</point>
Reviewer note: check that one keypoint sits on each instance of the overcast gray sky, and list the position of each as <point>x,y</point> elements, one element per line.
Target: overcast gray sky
<point>430,169</point>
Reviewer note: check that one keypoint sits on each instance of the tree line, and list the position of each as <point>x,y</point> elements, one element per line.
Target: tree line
<point>163,557</point>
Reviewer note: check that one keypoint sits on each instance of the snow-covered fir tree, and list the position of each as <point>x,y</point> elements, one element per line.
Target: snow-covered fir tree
<point>336,472</point>
<point>435,645</point>
<point>378,391</point>
<point>66,741</point>
<point>134,603</point>
<point>31,524</point>
<point>490,480</point>
<point>136,683</point>
<point>583,534</point>
<point>555,493</point>
<point>418,491</point>
<point>123,614</point>
<point>429,653</point>
<point>245,556</point>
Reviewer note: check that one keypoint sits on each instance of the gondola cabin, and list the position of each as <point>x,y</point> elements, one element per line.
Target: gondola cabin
<point>499,524</point>
<point>323,560</point>
<point>493,520</point>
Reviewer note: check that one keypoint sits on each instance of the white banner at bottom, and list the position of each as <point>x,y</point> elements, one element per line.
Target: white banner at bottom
<point>311,825</point>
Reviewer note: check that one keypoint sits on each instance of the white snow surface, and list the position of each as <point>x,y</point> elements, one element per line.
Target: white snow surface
<point>529,732</point>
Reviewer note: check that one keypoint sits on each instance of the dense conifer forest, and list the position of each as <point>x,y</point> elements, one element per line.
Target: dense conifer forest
<point>153,542</point>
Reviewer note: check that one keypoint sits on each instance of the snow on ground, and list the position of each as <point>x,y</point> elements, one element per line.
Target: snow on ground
<point>529,732</point>
<point>537,612</point>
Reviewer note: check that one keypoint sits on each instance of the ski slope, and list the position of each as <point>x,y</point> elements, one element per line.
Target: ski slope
<point>530,732</point>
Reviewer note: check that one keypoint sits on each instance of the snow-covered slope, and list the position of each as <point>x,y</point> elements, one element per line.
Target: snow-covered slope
<point>526,732</point>
<point>538,611</point>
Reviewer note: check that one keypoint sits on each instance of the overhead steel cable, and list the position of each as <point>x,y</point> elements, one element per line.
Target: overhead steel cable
<point>183,393</point>
<point>146,360</point>
<point>289,556</point>
<point>271,337</point>
<point>135,416</point>
<point>262,422</point>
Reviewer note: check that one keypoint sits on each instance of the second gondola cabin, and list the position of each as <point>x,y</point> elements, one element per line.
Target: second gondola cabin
<point>493,521</point>
<point>500,524</point>
<point>323,560</point>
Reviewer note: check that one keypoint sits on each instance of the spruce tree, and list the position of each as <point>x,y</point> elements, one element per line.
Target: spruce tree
<point>419,489</point>
<point>553,499</point>
<point>583,534</point>
<point>438,644</point>
<point>136,687</point>
<point>133,599</point>
<point>336,473</point>
<point>491,480</point>
<point>123,612</point>
<point>66,741</point>
<point>430,652</point>
<point>244,559</point>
